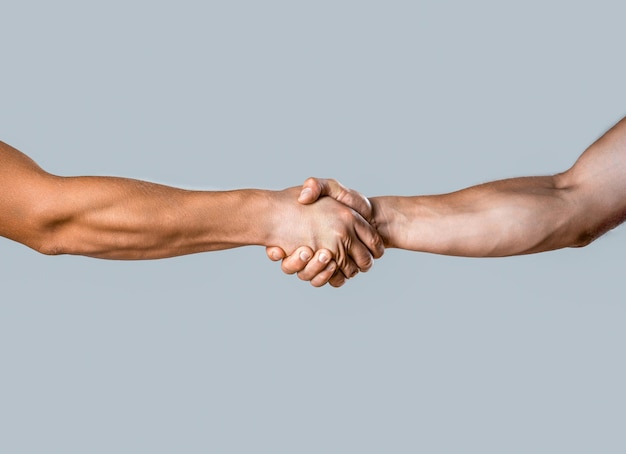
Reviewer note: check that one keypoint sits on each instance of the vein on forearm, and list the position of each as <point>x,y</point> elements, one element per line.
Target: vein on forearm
<point>121,218</point>
<point>506,217</point>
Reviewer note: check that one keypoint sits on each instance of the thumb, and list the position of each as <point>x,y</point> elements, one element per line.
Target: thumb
<point>311,190</point>
<point>274,253</point>
<point>314,188</point>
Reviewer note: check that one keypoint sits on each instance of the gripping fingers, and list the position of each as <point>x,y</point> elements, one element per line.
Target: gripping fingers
<point>297,261</point>
<point>346,262</point>
<point>323,277</point>
<point>360,255</point>
<point>369,246</point>
<point>274,253</point>
<point>337,280</point>
<point>314,188</point>
<point>320,261</point>
<point>321,270</point>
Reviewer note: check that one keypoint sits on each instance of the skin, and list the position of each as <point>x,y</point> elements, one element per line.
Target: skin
<point>313,270</point>
<point>501,218</point>
<point>120,218</point>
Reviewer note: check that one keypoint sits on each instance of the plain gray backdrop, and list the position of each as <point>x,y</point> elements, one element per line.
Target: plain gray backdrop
<point>223,353</point>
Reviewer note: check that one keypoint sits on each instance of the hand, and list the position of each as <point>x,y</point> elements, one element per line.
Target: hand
<point>349,238</point>
<point>314,188</point>
<point>301,262</point>
<point>317,267</point>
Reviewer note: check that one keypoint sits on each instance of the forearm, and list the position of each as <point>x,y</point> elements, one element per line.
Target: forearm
<point>507,217</point>
<point>519,215</point>
<point>120,218</point>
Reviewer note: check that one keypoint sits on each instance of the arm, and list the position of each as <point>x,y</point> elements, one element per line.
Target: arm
<point>120,218</point>
<point>516,216</point>
<point>507,217</point>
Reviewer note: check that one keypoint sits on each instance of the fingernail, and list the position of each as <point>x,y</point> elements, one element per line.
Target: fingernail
<point>324,258</point>
<point>304,256</point>
<point>275,255</point>
<point>305,193</point>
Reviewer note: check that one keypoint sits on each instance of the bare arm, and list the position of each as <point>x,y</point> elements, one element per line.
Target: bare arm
<point>516,216</point>
<point>501,218</point>
<point>121,218</point>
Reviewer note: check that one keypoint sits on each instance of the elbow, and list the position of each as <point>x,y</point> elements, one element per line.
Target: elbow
<point>48,245</point>
<point>582,223</point>
<point>593,201</point>
<point>577,232</point>
<point>588,235</point>
<point>48,241</point>
<point>39,214</point>
<point>584,239</point>
<point>50,231</point>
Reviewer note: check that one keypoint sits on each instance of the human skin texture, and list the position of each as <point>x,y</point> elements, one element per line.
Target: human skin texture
<point>500,218</point>
<point>126,219</point>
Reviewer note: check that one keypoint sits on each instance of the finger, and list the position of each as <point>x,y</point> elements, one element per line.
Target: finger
<point>314,188</point>
<point>361,257</point>
<point>357,248</point>
<point>371,240</point>
<point>297,261</point>
<point>349,268</point>
<point>275,253</point>
<point>316,265</point>
<point>311,190</point>
<point>351,254</point>
<point>337,280</point>
<point>323,277</point>
<point>320,262</point>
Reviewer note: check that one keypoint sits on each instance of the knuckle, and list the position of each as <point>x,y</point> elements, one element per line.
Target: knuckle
<point>332,267</point>
<point>338,282</point>
<point>366,264</point>
<point>287,268</point>
<point>347,215</point>
<point>377,246</point>
<point>351,270</point>
<point>343,195</point>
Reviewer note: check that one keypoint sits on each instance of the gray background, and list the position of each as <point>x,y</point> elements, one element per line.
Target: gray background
<point>221,352</point>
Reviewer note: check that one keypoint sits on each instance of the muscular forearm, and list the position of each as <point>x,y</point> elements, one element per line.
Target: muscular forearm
<point>120,218</point>
<point>516,216</point>
<point>508,217</point>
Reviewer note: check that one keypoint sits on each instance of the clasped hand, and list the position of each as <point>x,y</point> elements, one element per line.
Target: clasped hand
<point>336,239</point>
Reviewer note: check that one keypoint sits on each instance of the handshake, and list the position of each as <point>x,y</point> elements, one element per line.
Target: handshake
<point>339,227</point>
<point>322,231</point>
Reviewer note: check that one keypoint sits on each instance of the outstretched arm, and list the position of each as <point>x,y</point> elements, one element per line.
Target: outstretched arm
<point>119,218</point>
<point>519,215</point>
<point>508,217</point>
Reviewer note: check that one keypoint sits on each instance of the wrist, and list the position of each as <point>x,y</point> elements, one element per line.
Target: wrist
<point>243,217</point>
<point>276,213</point>
<point>395,219</point>
<point>266,218</point>
<point>383,218</point>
